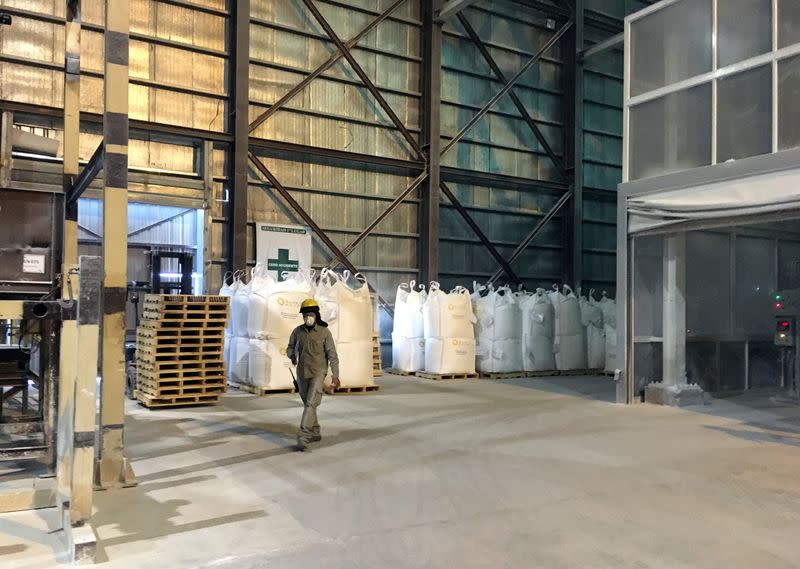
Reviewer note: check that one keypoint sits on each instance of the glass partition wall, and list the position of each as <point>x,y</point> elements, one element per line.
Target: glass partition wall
<point>708,84</point>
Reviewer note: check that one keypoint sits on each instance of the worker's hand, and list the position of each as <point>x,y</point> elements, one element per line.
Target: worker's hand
<point>335,383</point>
<point>294,362</point>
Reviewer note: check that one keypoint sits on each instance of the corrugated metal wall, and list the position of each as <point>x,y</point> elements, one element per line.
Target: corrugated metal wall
<point>602,159</point>
<point>177,69</point>
<point>501,143</point>
<point>336,112</point>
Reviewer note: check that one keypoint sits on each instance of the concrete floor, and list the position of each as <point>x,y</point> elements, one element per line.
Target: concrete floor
<point>519,473</point>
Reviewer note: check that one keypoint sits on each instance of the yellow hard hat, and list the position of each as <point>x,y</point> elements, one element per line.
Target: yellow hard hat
<point>309,305</point>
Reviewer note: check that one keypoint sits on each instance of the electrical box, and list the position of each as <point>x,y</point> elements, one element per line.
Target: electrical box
<point>785,331</point>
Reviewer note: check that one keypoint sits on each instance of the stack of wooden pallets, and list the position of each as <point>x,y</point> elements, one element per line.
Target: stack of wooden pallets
<point>179,350</point>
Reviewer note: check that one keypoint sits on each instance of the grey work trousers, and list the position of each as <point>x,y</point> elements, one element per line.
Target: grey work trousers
<point>311,394</point>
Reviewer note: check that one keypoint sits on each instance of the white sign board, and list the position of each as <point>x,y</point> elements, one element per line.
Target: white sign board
<point>33,264</point>
<point>283,249</point>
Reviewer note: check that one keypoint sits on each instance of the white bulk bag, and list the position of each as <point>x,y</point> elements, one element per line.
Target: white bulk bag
<point>500,356</point>
<point>497,314</point>
<point>592,320</point>
<point>569,342</point>
<point>538,328</point>
<point>408,321</point>
<point>240,359</point>
<point>275,306</point>
<point>450,355</point>
<point>355,363</point>
<point>347,311</point>
<point>408,354</point>
<point>269,366</point>
<point>609,309</point>
<point>448,315</point>
<point>240,307</point>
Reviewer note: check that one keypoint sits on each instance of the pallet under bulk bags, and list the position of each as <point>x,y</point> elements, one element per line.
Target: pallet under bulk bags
<point>609,309</point>
<point>498,330</point>
<point>569,344</point>
<point>449,335</point>
<point>408,335</point>
<point>538,329</point>
<point>348,312</point>
<point>592,320</point>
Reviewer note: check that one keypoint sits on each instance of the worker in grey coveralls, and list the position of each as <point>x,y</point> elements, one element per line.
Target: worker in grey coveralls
<point>312,350</point>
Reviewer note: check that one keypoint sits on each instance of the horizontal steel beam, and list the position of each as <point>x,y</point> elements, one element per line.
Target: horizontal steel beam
<point>453,7</point>
<point>331,157</point>
<point>603,46</point>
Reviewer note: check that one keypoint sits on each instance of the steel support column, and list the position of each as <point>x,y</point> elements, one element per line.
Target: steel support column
<point>113,469</point>
<point>67,357</point>
<point>238,76</point>
<point>577,180</point>
<point>428,245</point>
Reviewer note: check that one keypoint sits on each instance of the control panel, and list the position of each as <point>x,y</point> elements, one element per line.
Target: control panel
<point>786,310</point>
<point>787,302</point>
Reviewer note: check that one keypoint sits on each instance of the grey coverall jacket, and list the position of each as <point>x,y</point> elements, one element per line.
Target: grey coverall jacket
<point>314,350</point>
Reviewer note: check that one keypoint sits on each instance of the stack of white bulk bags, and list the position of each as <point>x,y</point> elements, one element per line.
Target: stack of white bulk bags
<point>569,342</point>
<point>408,335</point>
<point>348,312</point>
<point>449,334</point>
<point>498,330</point>
<point>592,320</point>
<point>538,329</point>
<point>274,314</point>
<point>609,309</point>
<point>240,342</point>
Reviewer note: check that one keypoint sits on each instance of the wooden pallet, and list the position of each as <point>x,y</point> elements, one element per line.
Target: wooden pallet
<point>503,375</point>
<point>162,376</point>
<point>146,355</point>
<point>395,371</point>
<point>179,352</point>
<point>362,389</point>
<point>188,301</point>
<point>169,391</point>
<point>180,336</point>
<point>262,391</point>
<point>216,323</point>
<point>446,376</point>
<point>180,365</point>
<point>175,401</point>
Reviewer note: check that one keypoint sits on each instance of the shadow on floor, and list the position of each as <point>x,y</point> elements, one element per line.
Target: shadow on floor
<point>593,388</point>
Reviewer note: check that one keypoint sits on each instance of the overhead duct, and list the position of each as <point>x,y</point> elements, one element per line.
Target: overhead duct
<point>23,141</point>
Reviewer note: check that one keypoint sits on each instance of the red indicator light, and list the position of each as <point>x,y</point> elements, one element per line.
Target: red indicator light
<point>785,324</point>
<point>779,305</point>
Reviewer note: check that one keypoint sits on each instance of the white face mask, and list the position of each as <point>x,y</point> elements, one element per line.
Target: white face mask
<point>310,320</point>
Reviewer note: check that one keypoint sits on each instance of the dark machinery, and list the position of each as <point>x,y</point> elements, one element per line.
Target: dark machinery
<point>30,315</point>
<point>158,283</point>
